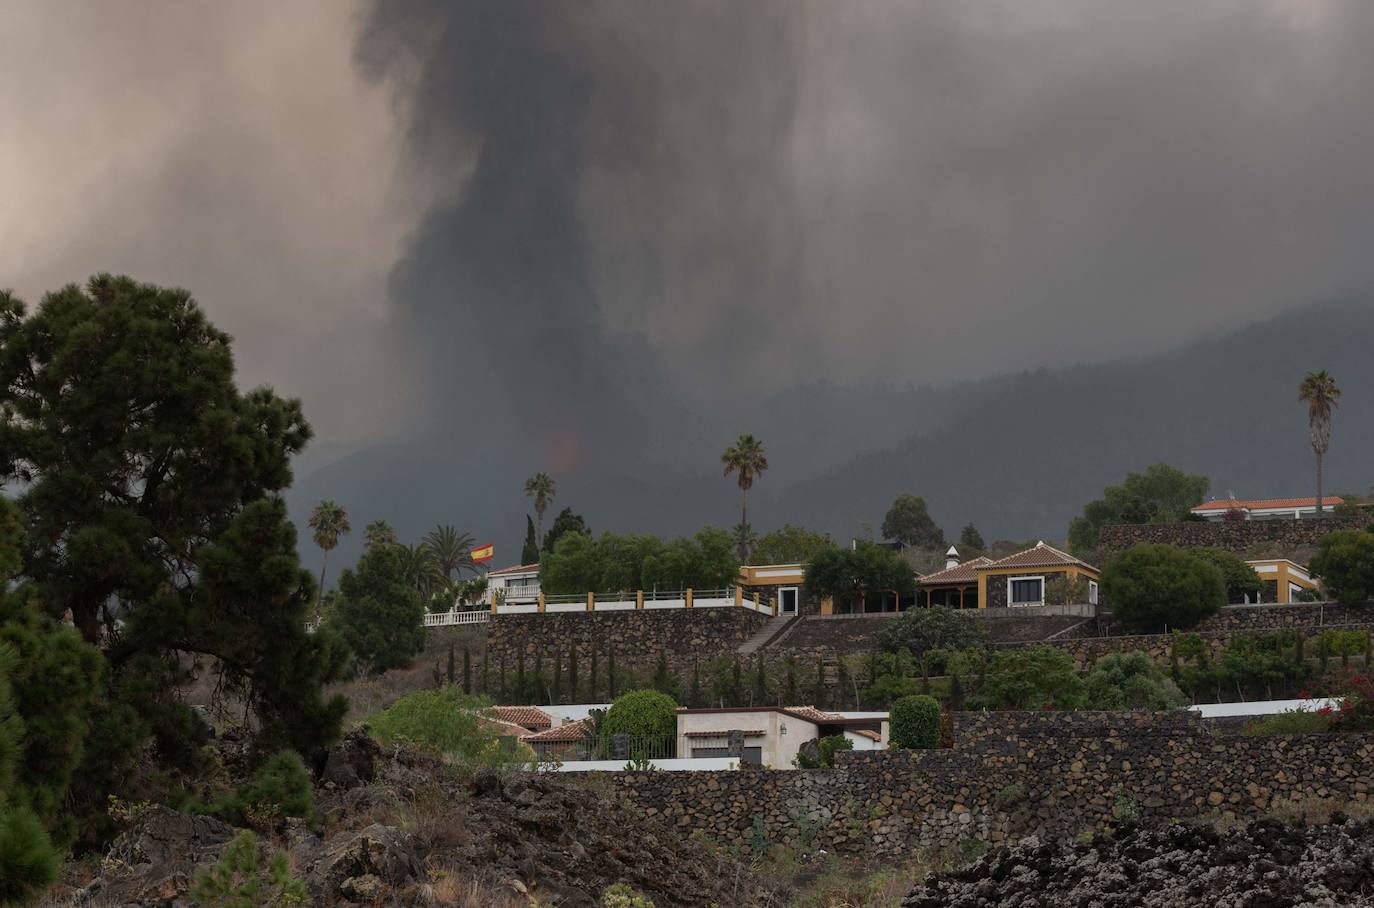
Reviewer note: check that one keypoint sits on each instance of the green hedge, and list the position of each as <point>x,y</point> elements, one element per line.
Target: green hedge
<point>915,723</point>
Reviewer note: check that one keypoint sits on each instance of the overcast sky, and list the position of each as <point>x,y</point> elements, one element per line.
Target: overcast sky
<point>389,206</point>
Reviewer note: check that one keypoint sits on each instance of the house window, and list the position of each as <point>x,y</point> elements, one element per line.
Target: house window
<point>1092,592</point>
<point>1026,591</point>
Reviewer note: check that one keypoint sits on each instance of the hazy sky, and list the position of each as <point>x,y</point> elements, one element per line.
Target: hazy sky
<point>394,207</point>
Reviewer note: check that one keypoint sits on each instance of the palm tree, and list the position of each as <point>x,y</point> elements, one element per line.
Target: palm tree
<point>450,550</point>
<point>1319,391</point>
<point>744,457</point>
<point>329,521</point>
<point>378,534</point>
<point>419,569</point>
<point>542,489</point>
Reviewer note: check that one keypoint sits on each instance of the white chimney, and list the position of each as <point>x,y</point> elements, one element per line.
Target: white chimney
<point>951,558</point>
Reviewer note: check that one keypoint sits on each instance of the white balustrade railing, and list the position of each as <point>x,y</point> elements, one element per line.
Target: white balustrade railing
<point>448,619</point>
<point>729,597</point>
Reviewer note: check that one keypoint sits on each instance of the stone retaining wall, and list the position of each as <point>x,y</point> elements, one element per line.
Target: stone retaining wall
<point>1010,774</point>
<point>684,636</point>
<point>1234,536</point>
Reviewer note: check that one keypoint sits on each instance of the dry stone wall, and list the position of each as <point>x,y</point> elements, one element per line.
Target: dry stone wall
<point>684,636</point>
<point>1011,774</point>
<point>1234,536</point>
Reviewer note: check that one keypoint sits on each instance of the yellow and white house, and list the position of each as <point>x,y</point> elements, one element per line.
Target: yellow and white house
<point>1283,580</point>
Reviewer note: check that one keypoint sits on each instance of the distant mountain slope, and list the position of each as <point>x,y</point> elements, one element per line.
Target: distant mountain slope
<point>1018,455</point>
<point>1023,462</point>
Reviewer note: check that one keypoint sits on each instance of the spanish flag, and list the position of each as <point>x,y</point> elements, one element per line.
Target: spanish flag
<point>483,553</point>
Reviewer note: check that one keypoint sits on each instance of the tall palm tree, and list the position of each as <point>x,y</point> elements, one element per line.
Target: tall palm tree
<point>1319,391</point>
<point>542,489</point>
<point>450,550</point>
<point>419,569</point>
<point>329,521</point>
<point>378,534</point>
<point>744,457</point>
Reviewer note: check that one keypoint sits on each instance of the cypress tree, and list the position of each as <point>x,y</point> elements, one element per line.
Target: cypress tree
<point>537,685</point>
<point>663,680</point>
<point>467,671</point>
<point>521,683</point>
<point>842,683</point>
<point>1175,671</point>
<point>760,692</point>
<point>452,667</point>
<point>610,673</point>
<point>694,691</point>
<point>956,692</point>
<point>592,681</point>
<point>818,693</point>
<point>529,553</point>
<point>790,674</point>
<point>557,695</point>
<point>736,685</point>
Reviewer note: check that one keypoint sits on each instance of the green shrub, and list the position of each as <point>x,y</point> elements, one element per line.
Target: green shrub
<point>1041,677</point>
<point>1010,797</point>
<point>915,723</point>
<point>642,713</point>
<point>451,723</point>
<point>1130,681</point>
<point>1345,565</point>
<point>1149,586</point>
<point>28,861</point>
<point>1291,722</point>
<point>622,896</point>
<point>239,879</point>
<point>923,629</point>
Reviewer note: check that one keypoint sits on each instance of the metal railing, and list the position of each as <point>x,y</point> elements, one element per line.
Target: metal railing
<point>606,747</point>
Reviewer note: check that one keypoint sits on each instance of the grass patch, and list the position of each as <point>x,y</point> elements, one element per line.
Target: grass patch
<point>1291,722</point>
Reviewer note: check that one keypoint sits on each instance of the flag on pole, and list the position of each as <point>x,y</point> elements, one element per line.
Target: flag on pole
<point>483,553</point>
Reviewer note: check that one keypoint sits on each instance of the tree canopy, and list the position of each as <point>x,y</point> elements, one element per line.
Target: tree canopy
<point>1345,564</point>
<point>970,538</point>
<point>789,545</point>
<point>1130,681</point>
<point>1161,494</point>
<point>909,523</point>
<point>1150,586</point>
<point>565,522</point>
<point>854,574</point>
<point>1240,578</point>
<point>921,629</point>
<point>380,613</point>
<point>623,563</point>
<point>148,483</point>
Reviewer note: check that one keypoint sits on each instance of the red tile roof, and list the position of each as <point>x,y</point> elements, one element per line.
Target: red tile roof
<point>960,573</point>
<point>811,714</point>
<point>1039,556</point>
<point>1260,504</point>
<point>532,718</point>
<point>503,729</point>
<point>871,735</point>
<point>515,569</point>
<point>568,731</point>
<point>751,733</point>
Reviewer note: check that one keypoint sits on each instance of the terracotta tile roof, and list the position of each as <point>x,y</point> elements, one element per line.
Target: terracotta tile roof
<point>871,735</point>
<point>811,714</point>
<point>532,718</point>
<point>503,729</point>
<point>1260,504</point>
<point>568,731</point>
<point>1039,556</point>
<point>749,733</point>
<point>515,569</point>
<point>961,573</point>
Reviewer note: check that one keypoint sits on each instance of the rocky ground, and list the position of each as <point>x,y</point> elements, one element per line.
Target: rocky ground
<point>1267,864</point>
<point>400,828</point>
